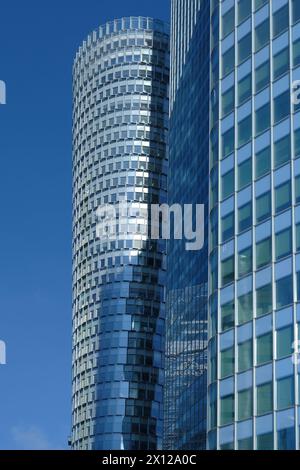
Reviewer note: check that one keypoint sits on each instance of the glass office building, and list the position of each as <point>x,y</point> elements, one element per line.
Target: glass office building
<point>186,314</point>
<point>254,314</point>
<point>120,121</point>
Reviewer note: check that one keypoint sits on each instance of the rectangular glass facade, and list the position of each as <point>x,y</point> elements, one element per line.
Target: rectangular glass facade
<point>254,315</point>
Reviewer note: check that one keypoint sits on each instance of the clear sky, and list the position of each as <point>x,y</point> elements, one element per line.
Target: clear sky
<point>38,40</point>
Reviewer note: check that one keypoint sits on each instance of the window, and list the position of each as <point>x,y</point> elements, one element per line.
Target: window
<point>244,89</point>
<point>263,207</point>
<point>283,197</point>
<point>227,362</point>
<point>245,173</point>
<point>259,3</point>
<point>228,22</point>
<point>264,301</point>
<point>281,20</point>
<point>263,162</point>
<point>262,76</point>
<point>263,253</point>
<point>262,35</point>
<point>245,261</point>
<point>245,404</point>
<point>281,63</point>
<point>227,410</point>
<point>283,243</point>
<point>228,61</point>
<point>228,142</point>
<point>244,10</point>
<point>264,349</point>
<point>296,53</point>
<point>228,101</point>
<point>264,398</point>
<point>244,48</point>
<point>262,119</point>
<point>281,106</point>
<point>296,11</point>
<point>286,439</point>
<point>298,238</point>
<point>245,308</point>
<point>245,217</point>
<point>284,292</point>
<point>284,341</point>
<point>297,189</point>
<point>265,441</point>
<point>282,151</point>
<point>228,271</point>
<point>245,355</point>
<point>227,316</point>
<point>245,130</point>
<point>227,184</point>
<point>285,393</point>
<point>297,142</point>
<point>228,227</point>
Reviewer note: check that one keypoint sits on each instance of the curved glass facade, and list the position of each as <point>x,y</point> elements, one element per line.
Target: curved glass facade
<point>254,291</point>
<point>120,121</point>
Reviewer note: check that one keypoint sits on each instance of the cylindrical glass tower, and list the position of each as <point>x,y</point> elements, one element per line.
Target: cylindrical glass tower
<point>120,120</point>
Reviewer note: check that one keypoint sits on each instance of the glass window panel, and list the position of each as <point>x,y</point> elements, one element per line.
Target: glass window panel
<point>227,362</point>
<point>265,441</point>
<point>262,118</point>
<point>227,227</point>
<point>227,410</point>
<point>263,162</point>
<point>262,76</point>
<point>264,398</point>
<point>296,53</point>
<point>264,300</point>
<point>245,174</point>
<point>298,237</point>
<point>281,106</point>
<point>282,151</point>
<point>263,253</point>
<point>297,142</point>
<point>245,355</point>
<point>281,20</point>
<point>281,63</point>
<point>245,444</point>
<point>244,89</point>
<point>228,22</point>
<point>296,11</point>
<point>245,261</point>
<point>283,243</point>
<point>286,438</point>
<point>244,48</point>
<point>245,130</point>
<point>259,3</point>
<point>228,271</point>
<point>227,184</point>
<point>228,61</point>
<point>284,292</point>
<point>263,207</point>
<point>245,308</point>
<point>284,341</point>
<point>245,404</point>
<point>264,349</point>
<point>228,142</point>
<point>227,316</point>
<point>228,101</point>
<point>285,393</point>
<point>262,35</point>
<point>244,10</point>
<point>283,197</point>
<point>297,189</point>
<point>245,217</point>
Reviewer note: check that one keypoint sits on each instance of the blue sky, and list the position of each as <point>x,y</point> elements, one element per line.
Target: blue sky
<point>38,40</point>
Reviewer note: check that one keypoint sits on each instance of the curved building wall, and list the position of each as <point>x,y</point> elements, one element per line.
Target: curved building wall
<point>120,119</point>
